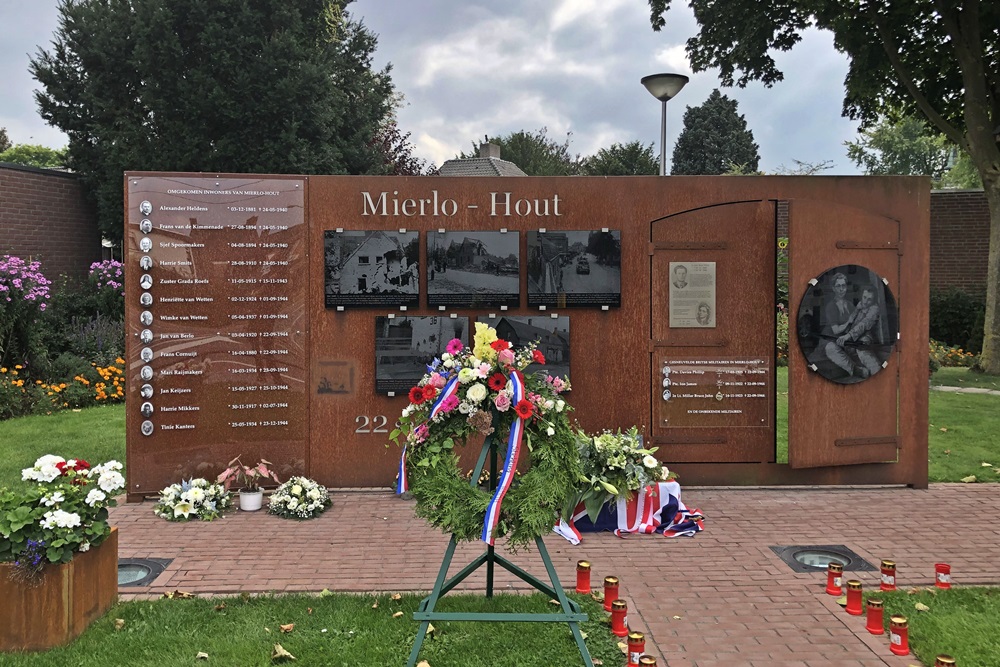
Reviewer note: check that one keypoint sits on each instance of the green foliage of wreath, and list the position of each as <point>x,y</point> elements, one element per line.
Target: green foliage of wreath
<point>446,499</point>
<point>482,405</point>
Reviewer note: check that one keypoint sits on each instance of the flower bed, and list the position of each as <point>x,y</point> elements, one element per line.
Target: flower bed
<point>51,536</point>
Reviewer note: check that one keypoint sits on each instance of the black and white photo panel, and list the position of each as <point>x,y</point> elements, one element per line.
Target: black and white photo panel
<point>575,268</point>
<point>550,333</point>
<point>473,269</point>
<point>847,323</point>
<point>404,346</point>
<point>371,268</point>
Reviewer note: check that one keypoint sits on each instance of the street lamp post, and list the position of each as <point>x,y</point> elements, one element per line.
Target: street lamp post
<point>664,87</point>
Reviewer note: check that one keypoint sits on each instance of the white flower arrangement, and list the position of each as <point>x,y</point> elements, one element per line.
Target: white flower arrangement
<point>192,499</point>
<point>299,498</point>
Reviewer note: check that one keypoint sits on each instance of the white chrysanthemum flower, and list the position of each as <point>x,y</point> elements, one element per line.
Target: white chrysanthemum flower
<point>313,494</point>
<point>196,494</point>
<point>665,474</point>
<point>466,375</point>
<point>650,461</point>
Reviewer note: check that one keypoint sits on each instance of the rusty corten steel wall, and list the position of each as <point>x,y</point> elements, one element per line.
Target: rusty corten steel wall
<point>612,352</point>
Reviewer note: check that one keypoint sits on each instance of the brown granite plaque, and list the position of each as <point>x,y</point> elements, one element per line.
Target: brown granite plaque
<point>228,326</point>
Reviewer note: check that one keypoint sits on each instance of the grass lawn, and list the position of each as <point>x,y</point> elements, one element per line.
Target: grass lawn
<point>95,435</point>
<point>341,630</point>
<point>963,377</point>
<point>962,622</point>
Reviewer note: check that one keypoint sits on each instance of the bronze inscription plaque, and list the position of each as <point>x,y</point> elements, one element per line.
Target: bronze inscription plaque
<point>216,325</point>
<point>716,392</point>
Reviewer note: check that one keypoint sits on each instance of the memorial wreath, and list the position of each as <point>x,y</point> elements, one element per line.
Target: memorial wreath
<point>472,393</point>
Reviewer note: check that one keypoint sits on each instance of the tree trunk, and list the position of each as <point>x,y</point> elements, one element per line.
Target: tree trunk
<point>989,361</point>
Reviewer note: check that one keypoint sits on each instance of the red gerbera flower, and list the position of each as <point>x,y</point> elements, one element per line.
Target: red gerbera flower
<point>429,392</point>
<point>417,395</point>
<point>499,344</point>
<point>497,381</point>
<point>538,356</point>
<point>524,409</point>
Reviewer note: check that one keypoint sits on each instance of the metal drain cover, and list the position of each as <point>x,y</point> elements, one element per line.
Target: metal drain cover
<point>140,571</point>
<point>816,558</point>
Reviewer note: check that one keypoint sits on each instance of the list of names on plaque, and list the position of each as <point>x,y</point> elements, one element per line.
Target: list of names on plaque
<point>220,315</point>
<point>718,392</point>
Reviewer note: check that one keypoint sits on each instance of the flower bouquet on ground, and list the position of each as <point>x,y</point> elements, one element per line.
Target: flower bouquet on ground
<point>615,466</point>
<point>299,498</point>
<point>470,393</point>
<point>192,499</point>
<point>64,512</point>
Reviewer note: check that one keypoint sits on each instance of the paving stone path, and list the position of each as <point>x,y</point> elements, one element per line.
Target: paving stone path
<point>720,599</point>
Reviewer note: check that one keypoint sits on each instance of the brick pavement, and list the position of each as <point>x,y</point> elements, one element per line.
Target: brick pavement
<point>722,598</point>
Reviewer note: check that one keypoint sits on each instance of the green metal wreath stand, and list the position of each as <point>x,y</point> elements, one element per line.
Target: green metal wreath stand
<point>571,612</point>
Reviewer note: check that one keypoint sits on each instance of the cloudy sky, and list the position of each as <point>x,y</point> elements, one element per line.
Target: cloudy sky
<point>474,68</point>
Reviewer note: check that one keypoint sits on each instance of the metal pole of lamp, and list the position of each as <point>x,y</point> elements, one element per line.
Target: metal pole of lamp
<point>664,87</point>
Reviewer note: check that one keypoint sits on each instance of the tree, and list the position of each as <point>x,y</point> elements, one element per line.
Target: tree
<point>714,139</point>
<point>4,140</point>
<point>534,152</point>
<point>963,175</point>
<point>939,58</point>
<point>631,159</point>
<point>905,147</point>
<point>253,86</point>
<point>33,155</point>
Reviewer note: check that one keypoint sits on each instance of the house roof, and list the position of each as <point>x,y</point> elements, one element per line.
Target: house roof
<point>480,166</point>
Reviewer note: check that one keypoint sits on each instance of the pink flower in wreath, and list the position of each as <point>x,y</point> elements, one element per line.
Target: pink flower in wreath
<point>455,346</point>
<point>502,401</point>
<point>437,380</point>
<point>506,357</point>
<point>420,433</point>
<point>449,403</point>
<point>483,370</point>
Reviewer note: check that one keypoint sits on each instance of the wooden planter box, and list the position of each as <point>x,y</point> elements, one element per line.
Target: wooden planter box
<point>68,599</point>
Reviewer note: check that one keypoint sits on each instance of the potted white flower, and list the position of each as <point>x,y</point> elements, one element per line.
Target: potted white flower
<point>249,478</point>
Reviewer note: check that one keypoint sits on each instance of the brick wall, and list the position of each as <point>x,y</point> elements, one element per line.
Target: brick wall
<point>960,239</point>
<point>44,216</point>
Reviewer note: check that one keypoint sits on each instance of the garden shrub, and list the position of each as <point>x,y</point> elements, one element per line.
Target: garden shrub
<point>957,319</point>
<point>782,335</point>
<point>24,293</point>
<point>951,356</point>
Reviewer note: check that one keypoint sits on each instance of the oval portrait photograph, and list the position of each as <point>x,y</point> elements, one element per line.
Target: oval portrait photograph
<point>847,324</point>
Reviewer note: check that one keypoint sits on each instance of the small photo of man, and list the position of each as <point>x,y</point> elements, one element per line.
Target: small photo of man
<point>146,409</point>
<point>146,354</point>
<point>145,244</point>
<point>145,262</point>
<point>146,336</point>
<point>145,207</point>
<point>146,226</point>
<point>680,277</point>
<point>146,391</point>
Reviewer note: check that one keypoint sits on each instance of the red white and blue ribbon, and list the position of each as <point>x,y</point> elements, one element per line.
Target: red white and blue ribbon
<point>402,485</point>
<point>509,465</point>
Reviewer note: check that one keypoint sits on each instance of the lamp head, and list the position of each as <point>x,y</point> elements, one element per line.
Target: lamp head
<point>664,86</point>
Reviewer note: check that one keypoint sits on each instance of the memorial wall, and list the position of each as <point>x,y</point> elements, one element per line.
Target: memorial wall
<point>287,317</point>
